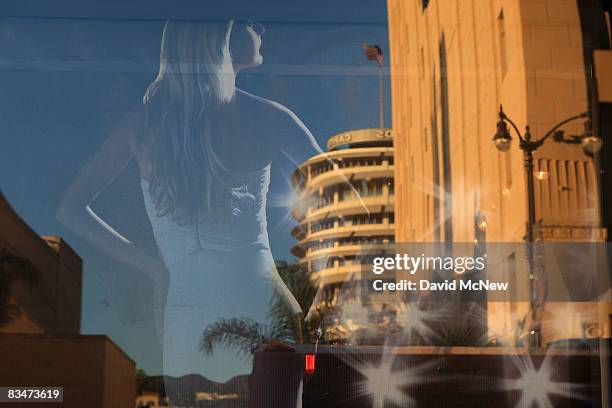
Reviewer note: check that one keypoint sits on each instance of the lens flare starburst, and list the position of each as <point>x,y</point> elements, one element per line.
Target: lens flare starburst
<point>285,202</point>
<point>353,312</point>
<point>412,318</point>
<point>381,384</point>
<point>537,385</point>
<point>385,385</point>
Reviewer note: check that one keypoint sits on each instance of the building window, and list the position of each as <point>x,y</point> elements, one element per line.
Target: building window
<point>422,63</point>
<point>318,169</point>
<point>410,111</point>
<point>501,28</point>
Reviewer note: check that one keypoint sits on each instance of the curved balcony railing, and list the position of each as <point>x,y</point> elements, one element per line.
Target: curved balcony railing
<point>337,250</point>
<point>336,274</point>
<point>340,176</point>
<point>374,229</point>
<point>300,231</point>
<point>353,206</point>
<point>365,154</point>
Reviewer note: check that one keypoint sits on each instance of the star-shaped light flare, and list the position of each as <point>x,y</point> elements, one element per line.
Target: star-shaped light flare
<point>384,385</point>
<point>537,384</point>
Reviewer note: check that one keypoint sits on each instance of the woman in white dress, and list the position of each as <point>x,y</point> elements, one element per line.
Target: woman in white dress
<point>204,149</point>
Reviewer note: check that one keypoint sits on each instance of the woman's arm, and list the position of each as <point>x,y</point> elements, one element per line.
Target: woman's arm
<point>299,144</point>
<point>75,210</point>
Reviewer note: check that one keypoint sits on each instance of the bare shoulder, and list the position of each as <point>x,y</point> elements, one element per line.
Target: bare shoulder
<point>272,109</point>
<point>130,125</point>
<point>133,118</point>
<point>284,127</point>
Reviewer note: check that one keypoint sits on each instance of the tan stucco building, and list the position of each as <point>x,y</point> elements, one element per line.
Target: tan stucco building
<point>41,346</point>
<point>453,63</point>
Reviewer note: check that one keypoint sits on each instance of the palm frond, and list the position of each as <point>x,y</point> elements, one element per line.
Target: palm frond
<point>241,334</point>
<point>245,335</point>
<point>299,282</point>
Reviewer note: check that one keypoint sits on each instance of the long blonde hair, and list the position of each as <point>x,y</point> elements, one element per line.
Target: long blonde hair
<point>195,75</point>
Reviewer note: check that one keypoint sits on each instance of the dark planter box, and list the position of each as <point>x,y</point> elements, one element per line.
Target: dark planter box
<point>428,377</point>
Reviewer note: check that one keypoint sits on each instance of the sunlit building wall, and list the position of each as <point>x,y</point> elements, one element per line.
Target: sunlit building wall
<point>333,222</point>
<point>453,63</point>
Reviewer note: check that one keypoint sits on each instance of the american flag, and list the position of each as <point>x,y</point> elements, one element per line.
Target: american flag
<point>373,52</point>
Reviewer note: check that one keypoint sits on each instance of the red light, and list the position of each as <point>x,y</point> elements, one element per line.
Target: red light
<point>309,363</point>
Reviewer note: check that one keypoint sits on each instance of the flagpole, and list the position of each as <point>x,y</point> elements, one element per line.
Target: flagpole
<point>381,86</point>
<point>374,53</point>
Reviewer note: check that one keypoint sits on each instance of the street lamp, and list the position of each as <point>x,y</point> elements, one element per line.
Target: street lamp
<point>502,138</point>
<point>591,144</point>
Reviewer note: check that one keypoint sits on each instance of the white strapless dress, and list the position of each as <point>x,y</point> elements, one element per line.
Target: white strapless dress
<point>223,270</point>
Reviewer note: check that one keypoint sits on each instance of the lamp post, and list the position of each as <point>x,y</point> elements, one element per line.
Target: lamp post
<point>591,144</point>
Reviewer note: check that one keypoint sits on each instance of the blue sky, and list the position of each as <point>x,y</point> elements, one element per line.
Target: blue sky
<point>66,81</point>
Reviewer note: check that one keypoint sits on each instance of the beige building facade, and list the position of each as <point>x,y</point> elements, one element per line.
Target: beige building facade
<point>40,343</point>
<point>453,63</point>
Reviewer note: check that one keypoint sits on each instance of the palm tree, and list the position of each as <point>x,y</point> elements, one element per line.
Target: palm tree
<point>246,335</point>
<point>300,283</point>
<point>141,378</point>
<point>12,268</point>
